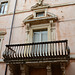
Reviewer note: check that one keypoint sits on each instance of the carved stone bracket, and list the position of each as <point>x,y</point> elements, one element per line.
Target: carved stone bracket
<point>11,69</point>
<point>49,72</point>
<point>62,68</point>
<point>22,68</point>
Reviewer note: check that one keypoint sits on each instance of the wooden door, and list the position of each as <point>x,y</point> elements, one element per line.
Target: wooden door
<point>56,70</point>
<point>38,71</point>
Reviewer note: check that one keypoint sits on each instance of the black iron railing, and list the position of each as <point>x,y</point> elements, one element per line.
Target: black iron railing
<point>42,50</point>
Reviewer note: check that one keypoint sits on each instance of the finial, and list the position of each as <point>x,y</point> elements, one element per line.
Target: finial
<point>40,1</point>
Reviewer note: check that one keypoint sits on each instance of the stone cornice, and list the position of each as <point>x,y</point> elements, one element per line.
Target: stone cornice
<point>52,6</point>
<point>40,19</point>
<point>45,19</point>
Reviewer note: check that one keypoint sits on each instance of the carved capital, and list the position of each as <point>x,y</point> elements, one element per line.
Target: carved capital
<point>51,22</point>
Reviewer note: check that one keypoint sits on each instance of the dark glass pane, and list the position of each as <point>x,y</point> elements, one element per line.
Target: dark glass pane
<point>39,14</point>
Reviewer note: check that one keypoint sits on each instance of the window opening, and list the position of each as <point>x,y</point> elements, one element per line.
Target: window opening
<point>3,9</point>
<point>40,14</point>
<point>40,36</point>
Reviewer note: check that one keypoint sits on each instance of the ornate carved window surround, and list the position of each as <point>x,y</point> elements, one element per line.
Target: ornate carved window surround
<point>33,23</point>
<point>2,33</point>
<point>44,22</point>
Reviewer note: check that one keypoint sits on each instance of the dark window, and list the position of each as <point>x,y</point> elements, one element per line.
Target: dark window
<point>40,14</point>
<point>3,7</point>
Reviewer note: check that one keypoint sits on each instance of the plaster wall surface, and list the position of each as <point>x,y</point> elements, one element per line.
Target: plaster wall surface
<point>2,68</point>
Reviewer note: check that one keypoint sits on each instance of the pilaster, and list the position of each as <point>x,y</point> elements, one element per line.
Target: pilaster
<point>49,71</point>
<point>22,68</point>
<point>63,68</point>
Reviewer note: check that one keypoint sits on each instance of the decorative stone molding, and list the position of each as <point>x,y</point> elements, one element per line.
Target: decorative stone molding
<point>50,16</point>
<point>27,28</point>
<point>24,69</point>
<point>39,5</point>
<point>51,22</point>
<point>11,69</point>
<point>49,72</point>
<point>62,68</point>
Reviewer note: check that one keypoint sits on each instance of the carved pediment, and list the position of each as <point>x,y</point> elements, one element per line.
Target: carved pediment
<point>32,20</point>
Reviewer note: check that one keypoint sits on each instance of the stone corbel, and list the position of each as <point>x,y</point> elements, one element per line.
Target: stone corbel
<point>62,68</point>
<point>11,69</point>
<point>49,71</point>
<point>24,69</point>
<point>27,28</point>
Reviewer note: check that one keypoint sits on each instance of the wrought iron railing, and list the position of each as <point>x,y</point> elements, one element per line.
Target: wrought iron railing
<point>37,51</point>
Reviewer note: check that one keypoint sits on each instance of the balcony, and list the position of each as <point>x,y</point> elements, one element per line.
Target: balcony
<point>42,51</point>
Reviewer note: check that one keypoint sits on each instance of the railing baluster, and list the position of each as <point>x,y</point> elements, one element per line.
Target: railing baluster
<point>20,51</point>
<point>25,51</point>
<point>47,49</point>
<point>41,49</point>
<point>56,48</point>
<point>17,52</point>
<point>37,50</point>
<point>28,50</point>
<point>50,50</point>
<point>65,47</point>
<point>53,48</point>
<point>62,48</point>
<point>59,48</point>
<point>44,49</point>
<point>33,50</point>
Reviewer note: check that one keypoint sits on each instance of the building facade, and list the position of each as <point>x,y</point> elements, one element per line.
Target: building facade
<point>37,37</point>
